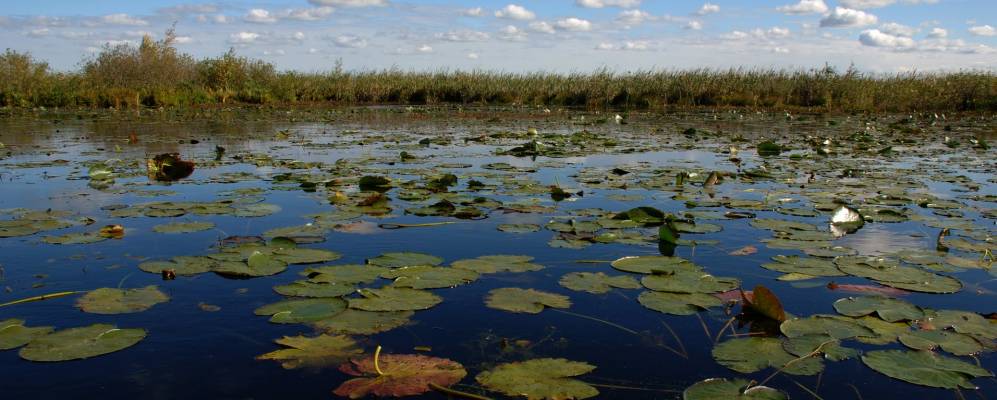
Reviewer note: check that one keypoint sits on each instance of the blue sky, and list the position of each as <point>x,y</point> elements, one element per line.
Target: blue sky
<point>527,35</point>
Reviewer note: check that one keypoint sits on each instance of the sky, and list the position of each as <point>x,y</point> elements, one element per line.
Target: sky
<point>883,36</point>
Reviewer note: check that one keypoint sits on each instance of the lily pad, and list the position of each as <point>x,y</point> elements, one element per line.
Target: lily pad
<point>735,389</point>
<point>359,322</point>
<point>654,264</point>
<point>182,265</point>
<point>76,238</point>
<point>803,265</point>
<point>428,277</point>
<point>394,299</point>
<point>888,272</point>
<point>953,342</point>
<point>597,282</point>
<point>183,227</point>
<point>525,300</point>
<point>889,309</point>
<point>829,347</point>
<point>344,274</point>
<point>497,263</point>
<point>689,282</point>
<point>678,303</point>
<point>924,368</point>
<point>519,228</point>
<point>79,343</point>
<point>403,375</point>
<point>404,259</point>
<point>302,310</point>
<point>121,301</point>
<point>747,355</point>
<point>543,378</point>
<point>14,334</point>
<point>831,325</point>
<point>315,352</point>
<point>314,289</point>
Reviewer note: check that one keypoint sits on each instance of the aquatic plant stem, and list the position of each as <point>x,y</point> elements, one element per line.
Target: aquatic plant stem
<point>426,225</point>
<point>796,360</point>
<point>377,367</point>
<point>42,297</point>
<point>456,393</point>
<point>618,326</point>
<point>806,389</point>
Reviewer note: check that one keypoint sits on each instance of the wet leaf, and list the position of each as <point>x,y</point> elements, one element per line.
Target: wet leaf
<point>302,310</point>
<point>312,352</point>
<point>14,334</point>
<point>344,274</point>
<point>952,342</point>
<point>747,355</point>
<point>428,277</point>
<point>524,300</point>
<point>689,282</point>
<point>314,289</point>
<point>404,259</point>
<point>543,378</point>
<point>78,343</point>
<point>497,263</point>
<point>765,302</point>
<point>736,389</point>
<point>183,227</point>
<point>678,303</point>
<point>654,264</point>
<point>597,282</point>
<point>359,322</point>
<point>831,325</point>
<point>924,368</point>
<point>829,347</point>
<point>121,301</point>
<point>394,299</point>
<point>888,272</point>
<point>889,309</point>
<point>404,375</point>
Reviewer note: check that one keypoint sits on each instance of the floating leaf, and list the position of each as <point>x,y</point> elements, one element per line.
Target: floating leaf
<point>302,310</point>
<point>765,302</point>
<point>542,378</point>
<point>344,274</point>
<point>597,282</point>
<point>76,238</point>
<point>497,263</point>
<point>642,215</point>
<point>890,273</point>
<point>678,303</point>
<point>803,265</point>
<point>654,264</point>
<point>78,343</point>
<point>924,368</point>
<point>301,255</point>
<point>747,355</point>
<point>525,300</point>
<point>314,289</point>
<point>404,259</point>
<point>14,334</point>
<point>519,228</point>
<point>689,282</point>
<point>832,325</point>
<point>183,227</point>
<point>889,309</point>
<point>802,346</point>
<point>736,389</point>
<point>963,322</point>
<point>428,277</point>
<point>359,322</point>
<point>182,265</point>
<point>314,352</point>
<point>403,375</point>
<point>121,301</point>
<point>394,299</point>
<point>952,342</point>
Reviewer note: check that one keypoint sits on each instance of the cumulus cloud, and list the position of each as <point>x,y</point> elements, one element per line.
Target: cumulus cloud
<point>424,49</point>
<point>515,11</point>
<point>350,3</point>
<point>37,33</point>
<point>472,56</point>
<point>463,36</point>
<point>349,41</point>
<point>708,8</point>
<point>633,17</point>
<point>260,16</point>
<point>760,34</point>
<point>938,33</point>
<point>896,29</point>
<point>474,12</point>
<point>804,7</point>
<point>693,25</point>
<point>608,3</point>
<point>123,19</point>
<point>847,17</point>
<point>215,19</point>
<point>542,27</point>
<point>574,24</point>
<point>983,30</point>
<point>243,37</point>
<point>308,14</point>
<point>512,33</point>
<point>877,38</point>
<point>638,45</point>
<point>863,4</point>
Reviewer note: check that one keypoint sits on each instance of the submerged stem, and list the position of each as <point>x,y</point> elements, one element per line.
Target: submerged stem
<point>618,326</point>
<point>42,297</point>
<point>456,393</point>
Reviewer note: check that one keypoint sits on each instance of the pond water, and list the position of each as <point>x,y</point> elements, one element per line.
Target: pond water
<point>479,183</point>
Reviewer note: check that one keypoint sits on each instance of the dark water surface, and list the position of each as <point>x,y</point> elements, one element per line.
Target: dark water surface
<point>191,352</point>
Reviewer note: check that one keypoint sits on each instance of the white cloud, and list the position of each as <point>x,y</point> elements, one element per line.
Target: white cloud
<point>260,16</point>
<point>542,27</point>
<point>938,33</point>
<point>216,19</point>
<point>123,19</point>
<point>777,32</point>
<point>693,25</point>
<point>183,40</point>
<point>804,7</point>
<point>983,30</point>
<point>308,14</point>
<point>350,3</point>
<point>515,11</point>
<point>896,29</point>
<point>863,4</point>
<point>463,36</point>
<point>472,56</point>
<point>877,38</point>
<point>474,12</point>
<point>634,17</point>
<point>574,24</point>
<point>638,45</point>
<point>424,49</point>
<point>349,41</point>
<point>708,8</point>
<point>847,17</point>
<point>512,33</point>
<point>780,50</point>
<point>37,33</point>
<point>243,37</point>
<point>608,3</point>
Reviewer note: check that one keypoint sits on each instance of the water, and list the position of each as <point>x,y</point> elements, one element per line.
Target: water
<point>193,353</point>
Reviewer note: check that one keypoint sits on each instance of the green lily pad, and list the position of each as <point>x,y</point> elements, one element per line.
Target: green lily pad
<point>953,342</point>
<point>747,355</point>
<point>736,389</point>
<point>803,265</point>
<point>258,264</point>
<point>497,263</point>
<point>642,215</point>
<point>182,265</point>
<point>963,322</point>
<point>525,300</point>
<point>79,343</point>
<point>654,264</point>
<point>782,225</point>
<point>359,322</point>
<point>394,299</point>
<point>14,334</point>
<point>597,282</point>
<point>314,289</point>
<point>302,310</point>
<point>832,325</point>
<point>404,259</point>
<point>308,230</point>
<point>301,255</point>
<point>344,274</point>
<point>689,282</point>
<point>678,303</point>
<point>75,238</point>
<point>183,227</point>
<point>542,378</point>
<point>829,347</point>
<point>889,309</point>
<point>519,228</point>
<point>882,332</point>
<point>924,368</point>
<point>121,301</point>
<point>316,352</point>
<point>888,272</point>
<point>428,277</point>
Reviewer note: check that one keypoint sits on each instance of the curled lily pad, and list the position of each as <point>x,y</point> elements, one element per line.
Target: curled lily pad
<point>924,368</point>
<point>14,334</point>
<point>747,355</point>
<point>497,263</point>
<point>359,322</point>
<point>678,303</point>
<point>654,264</point>
<point>525,300</point>
<point>736,389</point>
<point>344,274</point>
<point>952,342</point>
<point>428,277</point>
<point>763,301</point>
<point>689,282</point>
<point>400,375</point>
<point>543,378</point>
<point>83,342</point>
<point>394,299</point>
<point>121,301</point>
<point>315,352</point>
<point>302,310</point>
<point>889,309</point>
<point>314,289</point>
<point>183,227</point>
<point>405,259</point>
<point>597,282</point>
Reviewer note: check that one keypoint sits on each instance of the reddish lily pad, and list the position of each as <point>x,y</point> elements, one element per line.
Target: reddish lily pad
<point>402,375</point>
